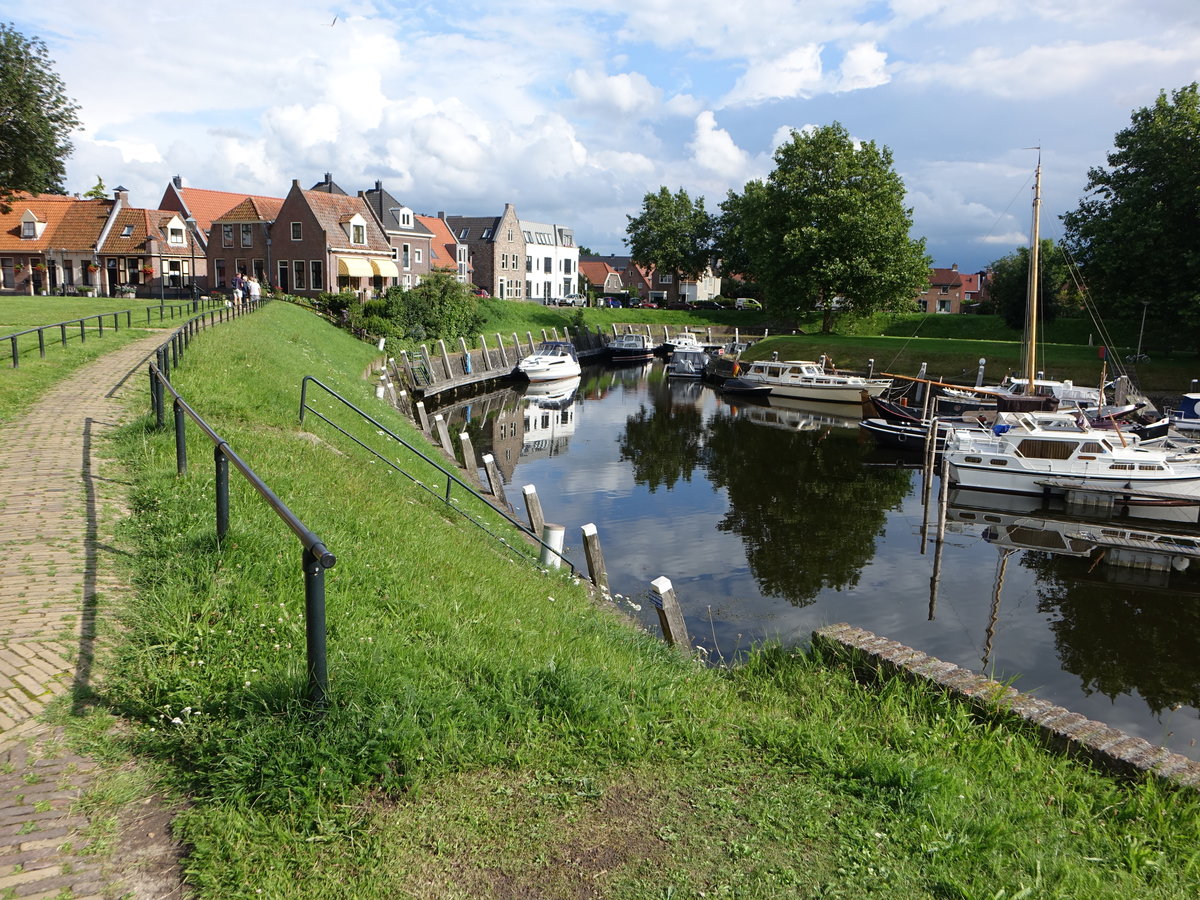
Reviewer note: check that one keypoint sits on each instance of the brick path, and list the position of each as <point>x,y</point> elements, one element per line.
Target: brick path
<point>53,584</point>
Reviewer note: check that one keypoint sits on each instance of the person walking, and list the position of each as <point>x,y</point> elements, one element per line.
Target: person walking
<point>255,290</point>
<point>237,290</point>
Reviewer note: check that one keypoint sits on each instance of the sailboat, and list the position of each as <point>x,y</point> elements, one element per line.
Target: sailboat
<point>1028,451</point>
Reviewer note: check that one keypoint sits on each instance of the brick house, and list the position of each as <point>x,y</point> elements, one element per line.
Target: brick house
<point>152,251</point>
<point>945,293</point>
<point>48,243</point>
<point>327,241</point>
<point>240,241</point>
<point>496,249</point>
<point>601,276</point>
<point>445,253</point>
<point>410,239</point>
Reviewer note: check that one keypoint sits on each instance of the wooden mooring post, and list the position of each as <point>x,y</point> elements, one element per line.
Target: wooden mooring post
<point>422,416</point>
<point>470,466</point>
<point>533,509</point>
<point>495,482</point>
<point>670,616</point>
<point>443,434</point>
<point>483,351</point>
<point>503,355</point>
<point>595,558</point>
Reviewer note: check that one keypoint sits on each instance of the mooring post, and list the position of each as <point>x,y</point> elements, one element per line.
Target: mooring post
<point>408,369</point>
<point>422,416</point>
<point>533,508</point>
<point>871,367</point>
<point>552,541</point>
<point>445,358</point>
<point>595,558</point>
<point>979,374</point>
<point>470,466</point>
<point>483,351</point>
<point>532,348</point>
<point>503,353</point>
<point>516,348</point>
<point>443,434</point>
<point>922,387</point>
<point>495,482</point>
<point>670,616</point>
<point>544,338</point>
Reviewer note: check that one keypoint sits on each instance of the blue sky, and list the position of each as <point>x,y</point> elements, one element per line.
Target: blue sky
<point>574,110</point>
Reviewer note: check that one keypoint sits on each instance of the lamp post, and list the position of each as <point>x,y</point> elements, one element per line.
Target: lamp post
<point>191,224</point>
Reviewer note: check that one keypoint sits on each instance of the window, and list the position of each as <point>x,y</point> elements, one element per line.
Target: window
<point>547,264</point>
<point>226,235</point>
<point>510,234</point>
<point>174,235</point>
<point>220,272</point>
<point>127,231</point>
<point>529,237</point>
<point>316,275</point>
<point>298,274</point>
<point>358,234</point>
<point>487,233</point>
<point>462,235</point>
<point>504,260</point>
<point>239,266</point>
<point>247,235</point>
<point>529,264</point>
<point>260,270</point>
<point>666,278</point>
<point>29,230</point>
<point>297,231</point>
<point>417,256</point>
<point>567,266</point>
<point>405,261</point>
<point>406,218</point>
<point>68,271</point>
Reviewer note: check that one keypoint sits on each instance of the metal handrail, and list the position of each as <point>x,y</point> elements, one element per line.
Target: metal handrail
<point>316,557</point>
<point>451,477</point>
<point>82,322</point>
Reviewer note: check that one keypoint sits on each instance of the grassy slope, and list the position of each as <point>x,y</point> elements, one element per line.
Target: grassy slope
<point>494,733</point>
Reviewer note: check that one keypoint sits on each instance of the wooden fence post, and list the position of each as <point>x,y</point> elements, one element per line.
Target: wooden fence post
<point>495,482</point>
<point>470,466</point>
<point>595,558</point>
<point>533,508</point>
<point>670,616</point>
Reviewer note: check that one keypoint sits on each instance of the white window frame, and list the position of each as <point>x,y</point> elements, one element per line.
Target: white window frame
<point>297,231</point>
<point>227,235</point>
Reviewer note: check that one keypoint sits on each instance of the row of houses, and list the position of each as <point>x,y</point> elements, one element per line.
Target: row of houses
<point>307,242</point>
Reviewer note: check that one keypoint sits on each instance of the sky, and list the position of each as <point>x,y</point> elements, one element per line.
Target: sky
<point>574,110</point>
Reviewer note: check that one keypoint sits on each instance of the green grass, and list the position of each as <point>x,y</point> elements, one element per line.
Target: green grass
<point>494,731</point>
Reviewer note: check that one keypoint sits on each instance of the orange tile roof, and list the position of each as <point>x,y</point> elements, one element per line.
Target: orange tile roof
<point>443,247</point>
<point>205,206</point>
<point>49,208</point>
<point>594,271</point>
<point>333,209</point>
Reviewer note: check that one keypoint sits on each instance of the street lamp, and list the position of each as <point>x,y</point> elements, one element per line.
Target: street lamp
<point>191,224</point>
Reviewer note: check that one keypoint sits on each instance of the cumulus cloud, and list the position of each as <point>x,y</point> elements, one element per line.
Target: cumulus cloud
<point>864,66</point>
<point>714,150</point>
<point>629,93</point>
<point>795,74</point>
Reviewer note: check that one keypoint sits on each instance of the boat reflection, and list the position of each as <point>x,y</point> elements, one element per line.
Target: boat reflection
<point>548,417</point>
<point>793,415</point>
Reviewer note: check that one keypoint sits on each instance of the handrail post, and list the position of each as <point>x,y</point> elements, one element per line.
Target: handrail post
<point>82,332</point>
<point>63,329</point>
<point>180,440</point>
<point>314,629</point>
<point>15,355</point>
<point>222,487</point>
<point>42,343</point>
<point>100,325</point>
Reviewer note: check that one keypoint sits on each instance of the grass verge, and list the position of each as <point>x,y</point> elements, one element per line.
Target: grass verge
<point>495,732</point>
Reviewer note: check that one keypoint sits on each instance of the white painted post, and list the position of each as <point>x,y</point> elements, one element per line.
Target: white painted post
<point>503,355</point>
<point>979,374</point>
<point>470,466</point>
<point>422,416</point>
<point>495,482</point>
<point>443,434</point>
<point>552,535</point>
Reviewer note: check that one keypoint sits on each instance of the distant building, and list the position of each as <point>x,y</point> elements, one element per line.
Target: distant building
<point>496,251</point>
<point>945,293</point>
<point>551,261</point>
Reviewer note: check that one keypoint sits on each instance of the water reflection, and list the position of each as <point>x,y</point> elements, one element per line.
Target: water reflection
<point>772,520</point>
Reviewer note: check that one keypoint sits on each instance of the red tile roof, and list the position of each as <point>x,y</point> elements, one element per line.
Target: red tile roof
<point>443,248</point>
<point>332,210</point>
<point>205,206</point>
<point>252,209</point>
<point>49,208</point>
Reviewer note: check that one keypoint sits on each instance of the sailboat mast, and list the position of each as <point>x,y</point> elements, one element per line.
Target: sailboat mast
<point>1031,305</point>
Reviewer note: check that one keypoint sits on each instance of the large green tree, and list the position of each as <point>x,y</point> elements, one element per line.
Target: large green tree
<point>1008,286</point>
<point>827,230</point>
<point>36,119</point>
<point>1136,233</point>
<point>673,233</point>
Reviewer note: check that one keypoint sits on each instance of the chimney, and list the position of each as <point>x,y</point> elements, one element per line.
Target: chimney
<point>177,181</point>
<point>441,214</point>
<point>329,178</point>
<point>378,186</point>
<point>121,195</point>
<point>296,183</point>
<point>954,267</point>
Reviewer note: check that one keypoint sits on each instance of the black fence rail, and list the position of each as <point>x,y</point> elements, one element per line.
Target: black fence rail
<point>165,311</point>
<point>315,558</point>
<point>452,481</point>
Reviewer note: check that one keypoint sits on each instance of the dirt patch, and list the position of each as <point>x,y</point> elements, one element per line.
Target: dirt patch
<point>148,859</point>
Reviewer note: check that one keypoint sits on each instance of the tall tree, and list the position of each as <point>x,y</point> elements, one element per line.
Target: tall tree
<point>98,191</point>
<point>36,119</point>
<point>827,229</point>
<point>1009,284</point>
<point>1136,234</point>
<point>673,233</point>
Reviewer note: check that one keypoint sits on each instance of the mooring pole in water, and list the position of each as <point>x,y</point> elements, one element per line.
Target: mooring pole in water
<point>422,416</point>
<point>670,616</point>
<point>533,509</point>
<point>927,481</point>
<point>943,495</point>
<point>979,374</point>
<point>594,556</point>
<point>443,434</point>
<point>470,467</point>
<point>495,482</point>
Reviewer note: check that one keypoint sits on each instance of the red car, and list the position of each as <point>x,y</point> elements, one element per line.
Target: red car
<point>481,292</point>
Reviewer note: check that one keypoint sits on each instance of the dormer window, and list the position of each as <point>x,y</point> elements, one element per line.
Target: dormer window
<point>28,230</point>
<point>462,235</point>
<point>358,234</point>
<point>31,226</point>
<point>487,233</point>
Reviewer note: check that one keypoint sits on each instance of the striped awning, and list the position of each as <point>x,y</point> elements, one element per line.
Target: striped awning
<point>354,266</point>
<point>385,268</point>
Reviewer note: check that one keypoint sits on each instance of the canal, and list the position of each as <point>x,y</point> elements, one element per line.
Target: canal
<point>773,520</point>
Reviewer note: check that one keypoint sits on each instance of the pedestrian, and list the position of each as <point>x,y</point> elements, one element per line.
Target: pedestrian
<point>237,290</point>
<point>255,290</point>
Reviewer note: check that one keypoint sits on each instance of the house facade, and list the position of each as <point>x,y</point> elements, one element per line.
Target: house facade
<point>945,293</point>
<point>240,242</point>
<point>410,240</point>
<point>324,241</point>
<point>48,243</point>
<point>496,251</point>
<point>551,261</point>
<point>602,277</point>
<point>446,254</point>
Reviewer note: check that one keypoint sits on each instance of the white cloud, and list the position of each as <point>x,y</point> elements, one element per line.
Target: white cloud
<point>864,66</point>
<point>714,150</point>
<point>627,93</point>
<point>795,74</point>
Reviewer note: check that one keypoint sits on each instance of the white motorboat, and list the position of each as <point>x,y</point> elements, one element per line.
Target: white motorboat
<point>552,360</point>
<point>687,362</point>
<point>631,347</point>
<point>685,340</point>
<point>804,380</point>
<point>1186,417</point>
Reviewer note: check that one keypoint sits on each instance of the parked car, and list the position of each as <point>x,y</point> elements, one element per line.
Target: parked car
<point>746,303</point>
<point>707,304</point>
<point>573,300</point>
<point>611,302</point>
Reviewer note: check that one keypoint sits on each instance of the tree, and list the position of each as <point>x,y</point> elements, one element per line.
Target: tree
<point>1136,234</point>
<point>1009,283</point>
<point>827,229</point>
<point>672,234</point>
<point>439,307</point>
<point>98,191</point>
<point>36,119</point>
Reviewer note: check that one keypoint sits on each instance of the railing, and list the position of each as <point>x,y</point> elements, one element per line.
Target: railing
<point>173,308</point>
<point>451,478</point>
<point>316,557</point>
